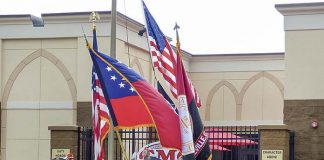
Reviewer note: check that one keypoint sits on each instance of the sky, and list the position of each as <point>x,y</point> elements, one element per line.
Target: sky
<point>206,26</point>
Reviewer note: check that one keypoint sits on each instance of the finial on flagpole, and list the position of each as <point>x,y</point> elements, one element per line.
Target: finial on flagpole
<point>85,37</point>
<point>94,16</point>
<point>176,27</point>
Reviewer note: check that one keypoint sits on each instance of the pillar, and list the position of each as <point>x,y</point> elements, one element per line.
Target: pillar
<point>274,141</point>
<point>304,76</point>
<point>64,137</point>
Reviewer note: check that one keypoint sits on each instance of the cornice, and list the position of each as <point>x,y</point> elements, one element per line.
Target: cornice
<point>70,17</point>
<point>300,8</point>
<point>238,57</point>
<point>83,17</point>
<point>16,19</point>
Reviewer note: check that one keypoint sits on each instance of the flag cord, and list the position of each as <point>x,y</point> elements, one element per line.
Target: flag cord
<point>121,145</point>
<point>116,130</point>
<point>126,28</point>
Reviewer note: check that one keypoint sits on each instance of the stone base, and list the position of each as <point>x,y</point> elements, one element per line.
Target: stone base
<point>64,137</point>
<point>309,141</point>
<point>274,137</point>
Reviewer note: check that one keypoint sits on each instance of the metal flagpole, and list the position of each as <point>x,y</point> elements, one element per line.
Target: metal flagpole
<point>113,55</point>
<point>121,144</point>
<point>113,29</point>
<point>184,115</point>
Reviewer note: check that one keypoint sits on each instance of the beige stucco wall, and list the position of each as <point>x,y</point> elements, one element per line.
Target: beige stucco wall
<point>304,47</point>
<point>1,66</point>
<point>37,92</point>
<point>236,96</point>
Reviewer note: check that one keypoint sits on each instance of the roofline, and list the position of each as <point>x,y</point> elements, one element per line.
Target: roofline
<point>300,8</point>
<point>293,5</point>
<point>15,15</point>
<point>184,52</point>
<point>87,13</point>
<point>240,54</point>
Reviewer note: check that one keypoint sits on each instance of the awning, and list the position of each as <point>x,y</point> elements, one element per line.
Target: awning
<point>217,147</point>
<point>225,138</point>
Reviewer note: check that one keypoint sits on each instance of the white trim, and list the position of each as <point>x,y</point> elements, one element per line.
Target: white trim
<point>243,123</point>
<point>302,16</point>
<point>235,66</point>
<point>40,105</point>
<point>304,22</point>
<point>300,8</point>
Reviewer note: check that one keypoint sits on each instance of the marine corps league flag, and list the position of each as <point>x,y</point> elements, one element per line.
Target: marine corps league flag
<point>133,102</point>
<point>202,150</point>
<point>170,65</point>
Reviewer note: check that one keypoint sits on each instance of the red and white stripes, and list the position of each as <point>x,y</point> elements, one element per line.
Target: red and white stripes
<point>166,62</point>
<point>100,118</point>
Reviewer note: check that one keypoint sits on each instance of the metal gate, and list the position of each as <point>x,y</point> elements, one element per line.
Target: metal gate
<point>226,142</point>
<point>85,144</point>
<point>234,142</point>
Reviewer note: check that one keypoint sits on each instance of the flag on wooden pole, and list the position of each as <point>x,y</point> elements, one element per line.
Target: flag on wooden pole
<point>202,150</point>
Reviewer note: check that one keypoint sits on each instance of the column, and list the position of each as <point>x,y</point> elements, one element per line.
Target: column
<point>274,142</point>
<point>304,70</point>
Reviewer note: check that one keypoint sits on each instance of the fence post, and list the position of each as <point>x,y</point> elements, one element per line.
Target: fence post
<point>274,142</point>
<point>64,139</point>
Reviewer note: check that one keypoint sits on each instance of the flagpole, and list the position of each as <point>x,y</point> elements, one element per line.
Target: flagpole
<point>184,115</point>
<point>121,144</point>
<point>176,27</point>
<point>113,29</point>
<point>113,38</point>
<point>112,54</point>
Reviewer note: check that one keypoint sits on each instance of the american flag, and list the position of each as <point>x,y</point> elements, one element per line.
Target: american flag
<point>163,56</point>
<point>100,117</point>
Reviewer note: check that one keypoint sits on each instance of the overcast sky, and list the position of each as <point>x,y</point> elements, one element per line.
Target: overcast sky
<point>207,26</point>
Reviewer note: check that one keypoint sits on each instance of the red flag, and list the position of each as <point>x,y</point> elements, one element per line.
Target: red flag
<point>133,102</point>
<point>202,151</point>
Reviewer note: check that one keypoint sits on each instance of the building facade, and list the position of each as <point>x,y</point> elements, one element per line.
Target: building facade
<point>46,79</point>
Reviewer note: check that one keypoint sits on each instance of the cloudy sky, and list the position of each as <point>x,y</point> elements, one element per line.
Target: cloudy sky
<point>207,26</point>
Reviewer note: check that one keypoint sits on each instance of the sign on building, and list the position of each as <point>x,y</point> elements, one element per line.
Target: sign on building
<point>59,153</point>
<point>272,154</point>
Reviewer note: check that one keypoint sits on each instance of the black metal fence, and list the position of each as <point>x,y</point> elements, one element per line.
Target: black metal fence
<point>291,145</point>
<point>226,142</point>
<point>85,144</point>
<point>134,140</point>
<point>234,142</point>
